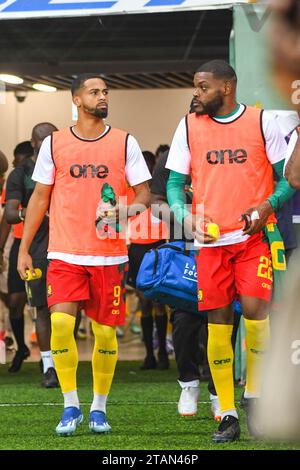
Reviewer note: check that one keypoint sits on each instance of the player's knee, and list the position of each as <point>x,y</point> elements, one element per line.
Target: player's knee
<point>104,331</point>
<point>62,324</point>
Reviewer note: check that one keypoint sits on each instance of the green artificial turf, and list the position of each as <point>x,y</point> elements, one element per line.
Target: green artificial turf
<point>142,411</point>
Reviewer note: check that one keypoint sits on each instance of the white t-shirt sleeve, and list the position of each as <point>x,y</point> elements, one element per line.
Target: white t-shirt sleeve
<point>276,146</point>
<point>179,158</point>
<point>136,168</point>
<point>290,148</point>
<point>44,170</point>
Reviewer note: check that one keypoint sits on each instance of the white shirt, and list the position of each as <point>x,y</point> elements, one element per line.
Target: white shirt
<point>290,148</point>
<point>136,172</point>
<point>179,159</point>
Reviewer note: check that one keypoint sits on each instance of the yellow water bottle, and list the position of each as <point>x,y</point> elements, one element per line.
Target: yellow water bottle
<point>30,277</point>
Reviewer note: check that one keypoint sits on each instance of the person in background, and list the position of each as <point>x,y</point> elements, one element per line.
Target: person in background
<point>16,295</point>
<point>285,64</point>
<point>20,187</point>
<point>146,233</point>
<point>286,228</point>
<point>3,169</point>
<point>285,54</point>
<point>161,149</point>
<point>279,413</point>
<point>3,263</point>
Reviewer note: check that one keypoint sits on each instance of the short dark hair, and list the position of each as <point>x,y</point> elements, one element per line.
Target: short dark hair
<point>24,148</point>
<point>162,148</point>
<point>149,159</point>
<point>80,80</point>
<point>42,130</point>
<point>219,68</point>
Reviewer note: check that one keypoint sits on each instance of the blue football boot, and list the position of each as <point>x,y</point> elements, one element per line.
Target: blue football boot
<point>71,418</point>
<point>98,422</point>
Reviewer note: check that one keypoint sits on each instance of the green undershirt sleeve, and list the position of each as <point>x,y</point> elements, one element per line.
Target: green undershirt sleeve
<point>176,195</point>
<point>283,191</point>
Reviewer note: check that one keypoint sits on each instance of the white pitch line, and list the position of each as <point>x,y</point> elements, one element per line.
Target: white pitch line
<point>87,404</point>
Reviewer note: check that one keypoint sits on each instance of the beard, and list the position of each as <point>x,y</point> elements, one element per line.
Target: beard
<point>212,107</point>
<point>101,113</point>
<point>97,112</point>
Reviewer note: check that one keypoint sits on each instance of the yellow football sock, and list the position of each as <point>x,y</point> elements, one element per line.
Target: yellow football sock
<point>257,340</point>
<point>64,350</point>
<point>105,357</point>
<point>220,358</point>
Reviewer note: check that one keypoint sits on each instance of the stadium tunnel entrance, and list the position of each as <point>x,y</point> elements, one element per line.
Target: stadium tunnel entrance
<point>147,60</point>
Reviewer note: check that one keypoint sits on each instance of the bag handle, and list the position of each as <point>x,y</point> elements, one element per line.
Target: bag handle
<point>185,251</point>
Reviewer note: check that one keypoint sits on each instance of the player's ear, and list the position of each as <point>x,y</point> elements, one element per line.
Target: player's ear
<point>77,101</point>
<point>227,88</point>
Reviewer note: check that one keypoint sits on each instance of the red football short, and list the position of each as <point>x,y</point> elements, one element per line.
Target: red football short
<point>100,290</point>
<point>242,269</point>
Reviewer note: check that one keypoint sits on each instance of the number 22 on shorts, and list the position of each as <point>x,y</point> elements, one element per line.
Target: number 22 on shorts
<point>265,268</point>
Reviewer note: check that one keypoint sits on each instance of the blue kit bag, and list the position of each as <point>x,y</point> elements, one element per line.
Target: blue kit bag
<point>168,274</point>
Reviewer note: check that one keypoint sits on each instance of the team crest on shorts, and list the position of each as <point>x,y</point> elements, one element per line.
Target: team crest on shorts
<point>49,290</point>
<point>200,295</point>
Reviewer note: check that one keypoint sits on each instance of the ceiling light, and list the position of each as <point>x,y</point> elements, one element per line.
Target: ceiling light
<point>13,79</point>
<point>43,87</point>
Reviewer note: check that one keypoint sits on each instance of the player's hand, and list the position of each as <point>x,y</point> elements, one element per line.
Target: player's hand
<point>256,218</point>
<point>24,263</point>
<point>195,224</point>
<point>113,214</point>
